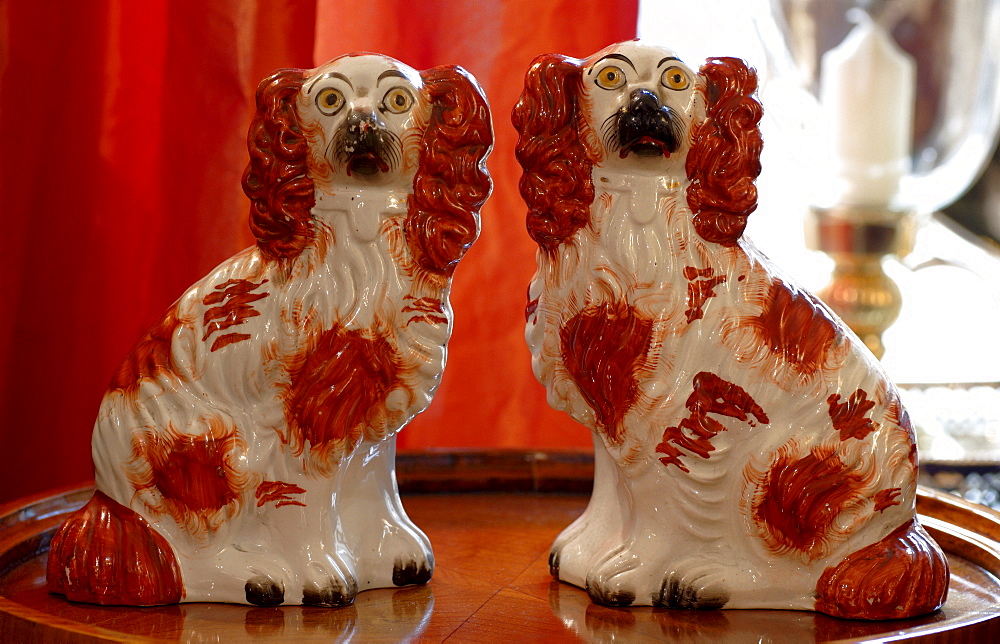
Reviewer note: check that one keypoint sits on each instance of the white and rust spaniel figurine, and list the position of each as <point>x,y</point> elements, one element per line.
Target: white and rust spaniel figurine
<point>245,449</point>
<point>750,452</point>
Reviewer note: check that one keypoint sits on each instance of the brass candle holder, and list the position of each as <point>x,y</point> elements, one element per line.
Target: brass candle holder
<point>858,239</point>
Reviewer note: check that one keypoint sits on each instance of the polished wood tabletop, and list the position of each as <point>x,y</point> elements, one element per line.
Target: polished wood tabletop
<point>491,581</point>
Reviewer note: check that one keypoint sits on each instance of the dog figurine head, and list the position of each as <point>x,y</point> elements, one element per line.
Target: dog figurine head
<point>641,101</point>
<point>369,120</point>
<point>363,116</point>
<point>640,109</point>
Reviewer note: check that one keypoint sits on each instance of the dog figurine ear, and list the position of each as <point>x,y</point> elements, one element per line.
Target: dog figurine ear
<point>280,191</point>
<point>451,183</point>
<point>724,159</point>
<point>552,148</point>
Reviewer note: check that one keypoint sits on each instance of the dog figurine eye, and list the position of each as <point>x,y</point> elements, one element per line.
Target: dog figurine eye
<point>675,78</point>
<point>610,77</point>
<point>329,101</point>
<point>397,100</point>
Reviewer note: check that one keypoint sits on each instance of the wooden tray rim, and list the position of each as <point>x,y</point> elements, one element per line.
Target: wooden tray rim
<point>965,529</point>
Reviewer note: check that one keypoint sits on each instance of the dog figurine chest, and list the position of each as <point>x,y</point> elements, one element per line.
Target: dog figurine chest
<point>749,451</point>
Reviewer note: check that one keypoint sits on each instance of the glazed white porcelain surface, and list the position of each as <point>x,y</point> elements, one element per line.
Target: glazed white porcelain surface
<point>245,449</point>
<point>750,452</point>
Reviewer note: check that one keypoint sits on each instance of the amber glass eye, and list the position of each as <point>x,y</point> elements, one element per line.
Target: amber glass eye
<point>610,77</point>
<point>675,78</point>
<point>397,100</point>
<point>329,101</point>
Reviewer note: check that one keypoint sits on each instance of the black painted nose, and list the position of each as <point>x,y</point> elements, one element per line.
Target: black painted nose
<point>643,100</point>
<point>363,128</point>
<point>647,128</point>
<point>363,146</point>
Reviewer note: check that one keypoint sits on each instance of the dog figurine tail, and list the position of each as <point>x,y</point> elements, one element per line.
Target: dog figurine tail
<point>105,553</point>
<point>903,575</point>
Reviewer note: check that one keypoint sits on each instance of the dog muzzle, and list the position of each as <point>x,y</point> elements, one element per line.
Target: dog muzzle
<point>647,128</point>
<point>365,147</point>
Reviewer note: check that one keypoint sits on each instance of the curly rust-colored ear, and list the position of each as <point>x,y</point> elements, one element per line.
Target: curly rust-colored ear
<point>556,184</point>
<point>724,158</point>
<point>451,183</point>
<point>281,193</point>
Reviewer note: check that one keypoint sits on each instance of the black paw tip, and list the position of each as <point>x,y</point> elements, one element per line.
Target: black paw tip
<point>617,598</point>
<point>264,591</point>
<point>410,573</point>
<point>334,594</point>
<point>675,593</point>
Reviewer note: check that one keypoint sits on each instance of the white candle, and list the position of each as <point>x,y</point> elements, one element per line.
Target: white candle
<point>867,91</point>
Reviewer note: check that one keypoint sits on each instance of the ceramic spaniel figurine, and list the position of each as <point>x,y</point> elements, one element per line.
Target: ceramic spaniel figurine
<point>245,449</point>
<point>750,452</point>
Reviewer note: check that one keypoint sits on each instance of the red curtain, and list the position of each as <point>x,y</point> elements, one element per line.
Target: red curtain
<point>122,143</point>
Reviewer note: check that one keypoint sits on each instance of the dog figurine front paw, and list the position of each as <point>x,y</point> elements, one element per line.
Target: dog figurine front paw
<point>245,449</point>
<point>750,451</point>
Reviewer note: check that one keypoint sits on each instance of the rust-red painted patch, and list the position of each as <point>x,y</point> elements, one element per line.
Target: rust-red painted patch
<point>194,474</point>
<point>701,287</point>
<point>796,326</point>
<point>150,357</point>
<point>338,388</point>
<point>885,499</point>
<point>603,349</point>
<point>798,500</point>
<point>711,395</point>
<point>903,575</point>
<point>229,338</point>
<point>427,309</point>
<point>105,553</point>
<point>229,305</point>
<point>850,417</point>
<point>278,492</point>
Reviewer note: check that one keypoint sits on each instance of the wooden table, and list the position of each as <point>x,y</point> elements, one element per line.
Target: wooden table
<point>491,536</point>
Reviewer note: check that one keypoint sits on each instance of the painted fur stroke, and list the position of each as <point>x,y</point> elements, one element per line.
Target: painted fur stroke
<point>750,452</point>
<point>245,449</point>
